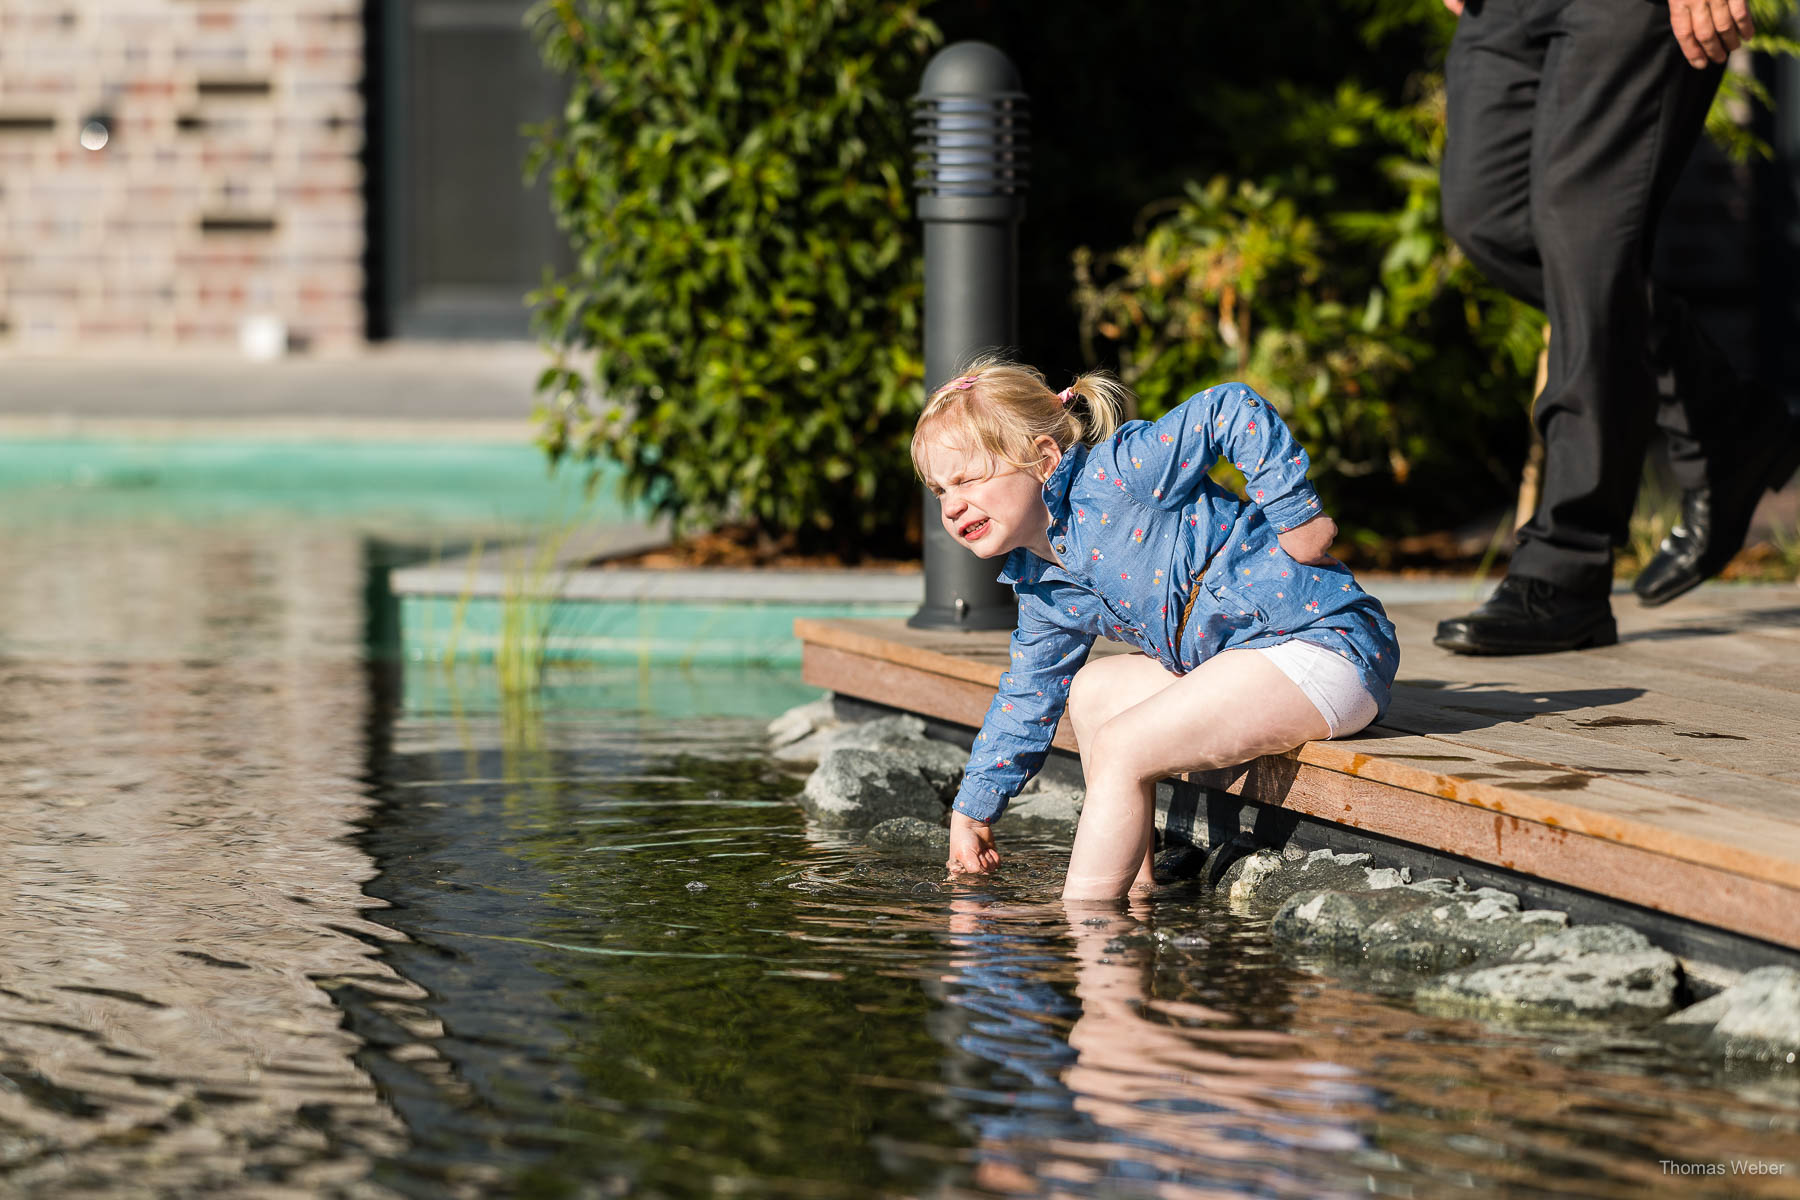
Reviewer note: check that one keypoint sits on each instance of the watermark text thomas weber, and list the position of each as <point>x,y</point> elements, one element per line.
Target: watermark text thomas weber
<point>1731,1166</point>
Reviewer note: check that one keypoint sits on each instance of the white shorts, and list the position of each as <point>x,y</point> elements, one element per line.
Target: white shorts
<point>1329,680</point>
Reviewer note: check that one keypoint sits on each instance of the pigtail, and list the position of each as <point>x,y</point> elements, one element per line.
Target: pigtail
<point>1097,404</point>
<point>1001,408</point>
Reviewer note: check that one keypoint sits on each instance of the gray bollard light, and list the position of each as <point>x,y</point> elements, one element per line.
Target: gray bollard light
<point>970,121</point>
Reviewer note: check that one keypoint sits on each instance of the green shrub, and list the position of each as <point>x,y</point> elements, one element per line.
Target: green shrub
<point>741,332</point>
<point>1325,279</point>
<point>733,180</point>
<point>1328,283</point>
<point>1381,346</point>
<point>1739,93</point>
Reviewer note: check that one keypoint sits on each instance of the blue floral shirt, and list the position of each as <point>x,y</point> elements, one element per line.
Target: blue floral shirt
<point>1141,529</point>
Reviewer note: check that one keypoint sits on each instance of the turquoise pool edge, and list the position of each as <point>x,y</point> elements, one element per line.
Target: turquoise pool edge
<point>425,483</point>
<point>438,628</point>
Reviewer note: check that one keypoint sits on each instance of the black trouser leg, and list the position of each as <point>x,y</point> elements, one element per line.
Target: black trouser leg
<point>1569,121</point>
<point>1708,394</point>
<point>1492,77</point>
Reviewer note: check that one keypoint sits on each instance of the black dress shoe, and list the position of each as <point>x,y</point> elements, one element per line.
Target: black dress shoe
<point>1715,519</point>
<point>1531,616</point>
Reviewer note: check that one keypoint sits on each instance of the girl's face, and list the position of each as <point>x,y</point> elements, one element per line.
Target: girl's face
<point>990,510</point>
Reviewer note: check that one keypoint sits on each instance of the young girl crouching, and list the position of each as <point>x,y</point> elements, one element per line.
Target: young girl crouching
<point>1251,639</point>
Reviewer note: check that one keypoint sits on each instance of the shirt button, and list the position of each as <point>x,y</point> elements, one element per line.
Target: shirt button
<point>1060,547</point>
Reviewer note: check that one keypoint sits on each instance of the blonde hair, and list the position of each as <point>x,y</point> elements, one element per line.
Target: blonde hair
<point>1002,407</point>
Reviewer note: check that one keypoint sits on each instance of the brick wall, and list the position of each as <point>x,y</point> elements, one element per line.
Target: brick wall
<point>231,184</point>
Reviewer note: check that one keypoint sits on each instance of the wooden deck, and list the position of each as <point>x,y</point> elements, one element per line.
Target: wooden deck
<point>1663,772</point>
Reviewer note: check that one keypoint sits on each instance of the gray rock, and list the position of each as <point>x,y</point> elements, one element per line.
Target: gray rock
<point>1584,939</point>
<point>866,735</point>
<point>1412,926</point>
<point>796,723</point>
<point>909,835</point>
<point>1591,987</point>
<point>1756,1017</point>
<point>1325,860</point>
<point>1585,973</point>
<point>1046,810</point>
<point>939,763</point>
<point>1248,876</point>
<point>1265,879</point>
<point>1458,930</point>
<point>855,789</point>
<point>1338,922</point>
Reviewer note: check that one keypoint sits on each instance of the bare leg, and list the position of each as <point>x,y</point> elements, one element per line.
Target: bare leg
<point>1232,708</point>
<point>1103,689</point>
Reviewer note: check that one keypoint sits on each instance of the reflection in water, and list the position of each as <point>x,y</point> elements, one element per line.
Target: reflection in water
<point>181,735</point>
<point>1165,1095</point>
<point>1198,1064</point>
<point>265,931</point>
<point>653,977</point>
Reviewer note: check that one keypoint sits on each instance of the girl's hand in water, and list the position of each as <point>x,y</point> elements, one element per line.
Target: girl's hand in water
<point>971,845</point>
<point>1310,542</point>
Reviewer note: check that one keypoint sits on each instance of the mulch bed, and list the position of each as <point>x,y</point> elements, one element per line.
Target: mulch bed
<point>1418,556</point>
<point>741,546</point>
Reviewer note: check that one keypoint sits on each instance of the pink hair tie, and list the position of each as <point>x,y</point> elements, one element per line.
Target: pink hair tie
<point>1066,395</point>
<point>963,384</point>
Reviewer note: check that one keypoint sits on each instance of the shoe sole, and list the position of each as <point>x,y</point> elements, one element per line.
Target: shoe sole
<point>1781,471</point>
<point>1600,635</point>
<point>1653,600</point>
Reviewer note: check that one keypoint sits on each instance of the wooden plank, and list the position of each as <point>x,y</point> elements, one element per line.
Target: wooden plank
<point>1758,907</point>
<point>1674,678</point>
<point>1694,738</point>
<point>1722,654</point>
<point>1726,597</point>
<point>1730,670</point>
<point>1749,640</point>
<point>1563,805</point>
<point>904,687</point>
<point>1764,796</point>
<point>1348,792</point>
<point>1709,834</point>
<point>1622,769</point>
<point>1756,736</point>
<point>1508,781</point>
<point>1743,658</point>
<point>891,640</point>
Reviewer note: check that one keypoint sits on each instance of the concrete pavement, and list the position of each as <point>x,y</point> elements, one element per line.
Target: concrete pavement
<point>461,383</point>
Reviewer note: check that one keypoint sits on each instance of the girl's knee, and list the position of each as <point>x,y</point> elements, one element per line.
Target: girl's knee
<point>1120,754</point>
<point>1112,753</point>
<point>1107,686</point>
<point>1086,687</point>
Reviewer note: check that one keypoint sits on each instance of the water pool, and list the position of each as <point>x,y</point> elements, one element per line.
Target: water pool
<point>282,923</point>
<point>644,975</point>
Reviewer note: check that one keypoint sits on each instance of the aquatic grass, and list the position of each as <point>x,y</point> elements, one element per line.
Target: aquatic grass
<point>459,614</point>
<point>533,576</point>
<point>526,605</point>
